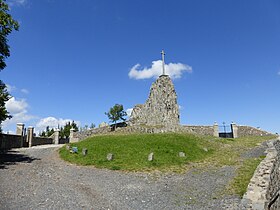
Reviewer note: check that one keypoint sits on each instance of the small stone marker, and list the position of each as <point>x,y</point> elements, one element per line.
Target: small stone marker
<point>182,154</point>
<point>205,149</point>
<point>74,150</point>
<point>85,151</point>
<point>68,147</point>
<point>110,157</point>
<point>151,157</point>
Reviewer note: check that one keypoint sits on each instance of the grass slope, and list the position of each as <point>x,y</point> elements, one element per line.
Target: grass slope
<point>131,151</point>
<point>131,154</point>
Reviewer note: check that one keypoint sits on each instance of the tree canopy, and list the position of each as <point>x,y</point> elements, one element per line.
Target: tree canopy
<point>4,96</point>
<point>65,131</point>
<point>7,25</point>
<point>116,113</point>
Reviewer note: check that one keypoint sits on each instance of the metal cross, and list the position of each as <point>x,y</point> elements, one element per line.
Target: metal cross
<point>163,64</point>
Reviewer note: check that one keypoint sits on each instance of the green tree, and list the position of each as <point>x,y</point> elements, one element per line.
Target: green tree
<point>116,113</point>
<point>7,25</point>
<point>43,134</point>
<point>4,96</point>
<point>47,133</point>
<point>74,126</point>
<point>65,131</point>
<point>92,126</point>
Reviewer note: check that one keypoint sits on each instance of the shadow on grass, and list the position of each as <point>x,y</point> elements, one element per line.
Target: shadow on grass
<point>10,157</point>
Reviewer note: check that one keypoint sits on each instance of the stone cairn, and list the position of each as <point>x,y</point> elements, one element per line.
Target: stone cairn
<point>161,108</point>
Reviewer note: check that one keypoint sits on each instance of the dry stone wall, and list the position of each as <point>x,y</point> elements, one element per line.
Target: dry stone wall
<point>161,107</point>
<point>263,189</point>
<point>199,129</point>
<point>88,133</point>
<point>250,131</point>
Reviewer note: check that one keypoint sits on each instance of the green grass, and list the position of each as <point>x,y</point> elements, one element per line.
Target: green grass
<point>131,154</point>
<point>244,174</point>
<point>131,151</point>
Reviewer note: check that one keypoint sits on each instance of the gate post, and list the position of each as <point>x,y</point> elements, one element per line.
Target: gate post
<point>72,137</point>
<point>30,135</point>
<point>20,129</point>
<point>216,129</point>
<point>234,130</point>
<point>56,136</point>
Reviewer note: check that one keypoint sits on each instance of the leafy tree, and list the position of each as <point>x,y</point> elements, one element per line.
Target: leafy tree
<point>4,96</point>
<point>74,126</point>
<point>65,131</point>
<point>7,25</point>
<point>50,132</point>
<point>43,134</point>
<point>92,125</point>
<point>116,113</point>
<point>47,133</point>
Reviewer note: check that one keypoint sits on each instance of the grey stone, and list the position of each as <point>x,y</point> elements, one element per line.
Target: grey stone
<point>110,157</point>
<point>205,149</point>
<point>182,154</point>
<point>151,157</point>
<point>85,151</point>
<point>161,108</point>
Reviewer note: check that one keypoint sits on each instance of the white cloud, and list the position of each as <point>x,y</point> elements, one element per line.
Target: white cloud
<point>16,106</point>
<point>16,2</point>
<point>25,91</point>
<point>128,111</point>
<point>10,88</point>
<point>52,122</point>
<point>18,110</point>
<point>174,70</point>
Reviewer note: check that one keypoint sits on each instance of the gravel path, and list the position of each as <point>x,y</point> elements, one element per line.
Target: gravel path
<point>35,178</point>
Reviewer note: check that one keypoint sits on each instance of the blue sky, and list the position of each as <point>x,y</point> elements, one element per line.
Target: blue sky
<point>71,59</point>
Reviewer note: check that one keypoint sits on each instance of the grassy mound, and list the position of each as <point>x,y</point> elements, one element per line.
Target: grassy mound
<point>131,154</point>
<point>131,151</point>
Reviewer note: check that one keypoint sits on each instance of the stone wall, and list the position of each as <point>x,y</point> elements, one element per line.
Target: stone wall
<point>76,136</point>
<point>263,189</point>
<point>199,129</point>
<point>8,141</point>
<point>250,131</point>
<point>205,130</point>
<point>36,141</point>
<point>161,107</point>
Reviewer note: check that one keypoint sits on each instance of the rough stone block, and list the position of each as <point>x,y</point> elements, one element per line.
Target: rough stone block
<point>110,157</point>
<point>85,151</point>
<point>182,154</point>
<point>151,157</point>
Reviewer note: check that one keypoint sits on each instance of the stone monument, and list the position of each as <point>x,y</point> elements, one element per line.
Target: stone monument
<point>161,108</point>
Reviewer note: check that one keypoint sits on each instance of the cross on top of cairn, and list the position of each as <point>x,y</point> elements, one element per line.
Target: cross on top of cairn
<point>163,64</point>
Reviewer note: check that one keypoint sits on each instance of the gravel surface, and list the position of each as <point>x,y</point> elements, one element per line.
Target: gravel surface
<point>36,178</point>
